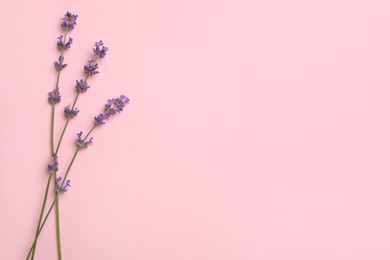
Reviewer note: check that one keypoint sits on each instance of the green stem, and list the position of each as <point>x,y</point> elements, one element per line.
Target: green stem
<point>40,216</point>
<point>43,223</point>
<point>52,151</point>
<point>55,174</point>
<point>39,228</point>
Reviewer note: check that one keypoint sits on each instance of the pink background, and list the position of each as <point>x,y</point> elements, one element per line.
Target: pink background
<point>256,130</point>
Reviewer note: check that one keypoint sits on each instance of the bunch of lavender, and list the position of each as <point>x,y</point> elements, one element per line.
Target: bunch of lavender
<point>113,106</point>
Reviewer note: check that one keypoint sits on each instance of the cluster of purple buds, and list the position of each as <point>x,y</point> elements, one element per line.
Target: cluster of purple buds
<point>99,120</point>
<point>116,104</point>
<point>71,112</point>
<point>91,68</point>
<point>60,65</point>
<point>53,164</point>
<point>81,142</point>
<point>113,106</point>
<point>63,189</point>
<point>54,96</point>
<point>69,21</point>
<point>81,86</point>
<point>100,52</point>
<point>63,45</point>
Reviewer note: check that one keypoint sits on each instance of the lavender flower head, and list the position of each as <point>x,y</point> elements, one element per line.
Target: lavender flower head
<point>63,189</point>
<point>81,142</point>
<point>63,45</point>
<point>100,52</point>
<point>99,120</point>
<point>54,96</point>
<point>113,106</point>
<point>116,104</point>
<point>71,112</point>
<point>53,164</point>
<point>108,107</point>
<point>91,68</point>
<point>60,65</point>
<point>69,21</point>
<point>81,86</point>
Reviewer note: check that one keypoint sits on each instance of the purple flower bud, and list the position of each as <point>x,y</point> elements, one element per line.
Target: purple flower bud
<point>63,189</point>
<point>61,44</point>
<point>81,86</point>
<point>53,164</point>
<point>100,52</point>
<point>110,110</point>
<point>69,21</point>
<point>54,96</point>
<point>81,142</point>
<point>100,118</point>
<point>59,65</point>
<point>71,112</point>
<point>121,102</point>
<point>91,69</point>
<point>113,105</point>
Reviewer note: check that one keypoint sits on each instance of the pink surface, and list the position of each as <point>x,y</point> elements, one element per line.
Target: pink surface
<point>256,130</point>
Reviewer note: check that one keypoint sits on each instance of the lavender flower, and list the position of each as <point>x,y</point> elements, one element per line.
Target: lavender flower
<point>60,65</point>
<point>116,104</point>
<point>81,142</point>
<point>110,110</point>
<point>54,96</point>
<point>91,69</point>
<point>53,164</point>
<point>99,119</point>
<point>69,21</point>
<point>101,53</point>
<point>81,86</point>
<point>71,112</point>
<point>121,102</point>
<point>63,189</point>
<point>63,45</point>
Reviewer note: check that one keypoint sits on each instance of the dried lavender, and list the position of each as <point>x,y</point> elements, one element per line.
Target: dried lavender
<point>112,107</point>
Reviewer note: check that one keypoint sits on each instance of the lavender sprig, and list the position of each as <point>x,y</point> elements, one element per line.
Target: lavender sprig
<point>68,23</point>
<point>111,108</point>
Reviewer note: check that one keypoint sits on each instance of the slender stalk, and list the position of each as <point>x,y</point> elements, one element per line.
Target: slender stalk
<point>52,151</point>
<point>42,210</point>
<point>43,223</point>
<point>55,174</point>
